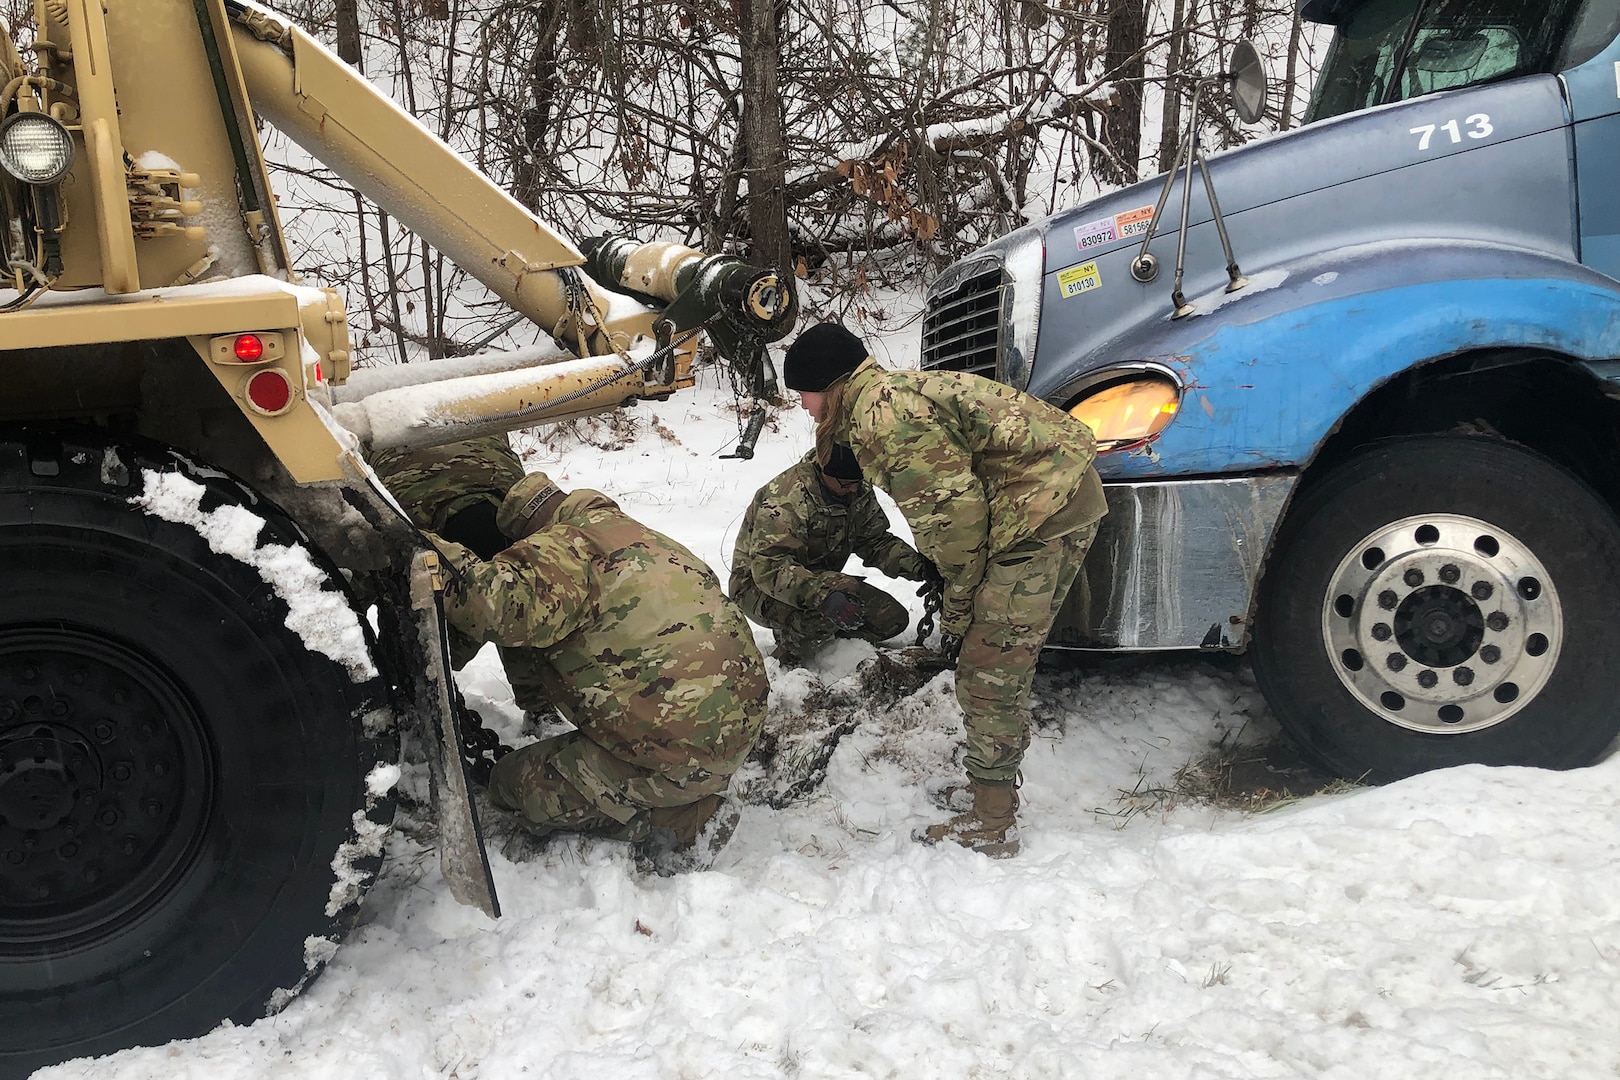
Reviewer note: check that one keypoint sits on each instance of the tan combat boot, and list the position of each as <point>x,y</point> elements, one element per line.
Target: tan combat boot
<point>989,827</point>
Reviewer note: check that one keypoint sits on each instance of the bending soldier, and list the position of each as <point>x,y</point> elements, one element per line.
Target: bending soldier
<point>787,566</point>
<point>1000,493</point>
<point>454,492</point>
<point>640,649</point>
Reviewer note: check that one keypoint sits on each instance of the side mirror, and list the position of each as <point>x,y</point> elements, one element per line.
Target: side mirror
<point>1247,74</point>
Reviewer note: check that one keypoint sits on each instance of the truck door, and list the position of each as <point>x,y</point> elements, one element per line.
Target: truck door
<point>1592,77</point>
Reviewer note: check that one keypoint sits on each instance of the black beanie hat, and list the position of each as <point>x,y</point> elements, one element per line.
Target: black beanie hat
<point>842,464</point>
<point>820,357</point>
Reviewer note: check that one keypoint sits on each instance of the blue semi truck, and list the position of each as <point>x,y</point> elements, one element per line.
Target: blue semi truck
<point>1384,457</point>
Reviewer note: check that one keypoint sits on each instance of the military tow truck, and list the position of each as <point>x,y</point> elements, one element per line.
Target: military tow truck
<point>200,728</point>
<point>1367,430</point>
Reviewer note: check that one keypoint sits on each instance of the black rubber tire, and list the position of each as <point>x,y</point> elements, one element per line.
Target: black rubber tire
<point>1565,524</point>
<point>178,770</point>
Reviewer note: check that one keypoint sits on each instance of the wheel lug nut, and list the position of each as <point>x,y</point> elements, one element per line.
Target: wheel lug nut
<point>152,807</point>
<point>68,850</point>
<point>1413,577</point>
<point>1396,661</point>
<point>1450,574</point>
<point>1381,632</point>
<point>1497,621</point>
<point>103,731</point>
<point>1387,600</point>
<point>1490,654</point>
<point>1482,590</point>
<point>91,875</point>
<point>108,817</point>
<point>121,771</point>
<point>1427,679</point>
<point>59,707</point>
<point>129,845</point>
<point>1463,676</point>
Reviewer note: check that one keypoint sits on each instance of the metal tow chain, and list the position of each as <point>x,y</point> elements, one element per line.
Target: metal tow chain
<point>933,600</point>
<point>481,747</point>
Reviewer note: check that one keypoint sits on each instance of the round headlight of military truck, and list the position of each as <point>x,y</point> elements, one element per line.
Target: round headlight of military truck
<point>35,148</point>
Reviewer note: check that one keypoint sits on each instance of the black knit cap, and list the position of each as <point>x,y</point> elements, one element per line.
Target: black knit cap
<point>820,357</point>
<point>842,465</point>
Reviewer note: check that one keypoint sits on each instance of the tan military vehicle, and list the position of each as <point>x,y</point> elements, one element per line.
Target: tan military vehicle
<point>215,628</point>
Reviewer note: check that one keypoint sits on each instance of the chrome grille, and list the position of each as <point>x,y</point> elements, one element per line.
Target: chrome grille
<point>962,326</point>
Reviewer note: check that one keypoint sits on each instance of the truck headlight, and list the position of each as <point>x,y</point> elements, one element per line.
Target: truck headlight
<point>1023,262</point>
<point>35,148</point>
<point>1129,412</point>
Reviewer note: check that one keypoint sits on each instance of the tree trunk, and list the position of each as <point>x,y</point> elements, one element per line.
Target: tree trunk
<point>1125,65</point>
<point>1170,126</point>
<point>762,137</point>
<point>348,34</point>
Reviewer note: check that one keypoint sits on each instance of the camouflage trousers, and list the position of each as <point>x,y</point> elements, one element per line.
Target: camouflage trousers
<point>1013,611</point>
<point>803,630</point>
<point>570,784</point>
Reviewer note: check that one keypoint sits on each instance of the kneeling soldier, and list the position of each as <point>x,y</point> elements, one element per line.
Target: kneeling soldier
<point>642,651</point>
<point>787,567</point>
<point>454,491</point>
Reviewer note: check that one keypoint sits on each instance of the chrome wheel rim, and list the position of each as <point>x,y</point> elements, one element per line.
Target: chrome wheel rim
<point>1442,624</point>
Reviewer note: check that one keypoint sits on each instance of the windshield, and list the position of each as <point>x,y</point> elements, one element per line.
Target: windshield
<point>1391,50</point>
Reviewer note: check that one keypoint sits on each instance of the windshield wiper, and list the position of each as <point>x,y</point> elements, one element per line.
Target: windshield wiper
<point>1392,89</point>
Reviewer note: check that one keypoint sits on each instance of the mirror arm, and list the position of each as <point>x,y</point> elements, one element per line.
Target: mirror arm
<point>1234,276</point>
<point>1177,298</point>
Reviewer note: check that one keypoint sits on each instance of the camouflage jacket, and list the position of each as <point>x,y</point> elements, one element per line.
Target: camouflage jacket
<point>435,483</point>
<point>643,651</point>
<point>795,539</point>
<point>975,466</point>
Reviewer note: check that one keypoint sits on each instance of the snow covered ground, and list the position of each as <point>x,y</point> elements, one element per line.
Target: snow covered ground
<point>1460,923</point>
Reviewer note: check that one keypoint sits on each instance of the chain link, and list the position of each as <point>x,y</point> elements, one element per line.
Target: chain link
<point>481,748</point>
<point>933,600</point>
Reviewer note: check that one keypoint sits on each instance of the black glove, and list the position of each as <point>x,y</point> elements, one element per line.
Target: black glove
<point>950,649</point>
<point>932,579</point>
<point>843,610</point>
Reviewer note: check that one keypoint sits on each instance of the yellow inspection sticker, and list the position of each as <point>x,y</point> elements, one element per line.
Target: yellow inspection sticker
<point>1078,279</point>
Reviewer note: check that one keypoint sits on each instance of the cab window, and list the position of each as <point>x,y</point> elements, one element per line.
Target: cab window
<point>1392,50</point>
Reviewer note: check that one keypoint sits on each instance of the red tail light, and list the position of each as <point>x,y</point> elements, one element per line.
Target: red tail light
<point>248,348</point>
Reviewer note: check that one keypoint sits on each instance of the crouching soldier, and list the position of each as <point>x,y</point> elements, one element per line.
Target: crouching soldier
<point>787,566</point>
<point>641,650</point>
<point>454,491</point>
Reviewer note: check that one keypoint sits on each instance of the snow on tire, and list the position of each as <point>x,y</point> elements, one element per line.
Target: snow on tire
<point>196,754</point>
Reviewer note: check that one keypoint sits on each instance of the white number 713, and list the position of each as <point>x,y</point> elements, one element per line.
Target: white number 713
<point>1479,127</point>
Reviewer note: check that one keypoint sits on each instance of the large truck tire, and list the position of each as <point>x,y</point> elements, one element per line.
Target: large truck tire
<point>186,823</point>
<point>1443,600</point>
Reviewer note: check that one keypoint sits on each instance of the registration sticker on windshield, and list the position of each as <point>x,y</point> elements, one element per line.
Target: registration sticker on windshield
<point>1079,279</point>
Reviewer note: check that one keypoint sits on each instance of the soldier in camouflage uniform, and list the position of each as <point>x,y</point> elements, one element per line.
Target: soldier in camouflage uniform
<point>787,566</point>
<point>454,491</point>
<point>1001,494</point>
<point>642,651</point>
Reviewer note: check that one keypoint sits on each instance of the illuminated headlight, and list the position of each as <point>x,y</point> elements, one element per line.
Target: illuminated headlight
<point>1129,412</point>
<point>35,148</point>
<point>1023,262</point>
